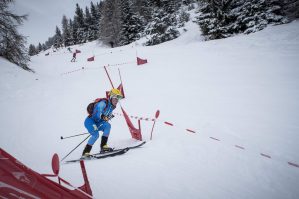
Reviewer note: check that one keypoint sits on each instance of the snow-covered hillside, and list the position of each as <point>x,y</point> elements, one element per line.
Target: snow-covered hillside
<point>242,91</point>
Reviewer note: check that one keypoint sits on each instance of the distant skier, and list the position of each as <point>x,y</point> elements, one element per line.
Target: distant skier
<point>111,44</point>
<point>69,49</point>
<point>74,57</point>
<point>98,120</point>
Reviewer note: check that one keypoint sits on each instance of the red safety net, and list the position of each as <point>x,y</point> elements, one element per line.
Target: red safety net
<point>19,181</point>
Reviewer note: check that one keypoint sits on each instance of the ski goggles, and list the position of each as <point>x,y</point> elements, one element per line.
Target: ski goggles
<point>118,97</point>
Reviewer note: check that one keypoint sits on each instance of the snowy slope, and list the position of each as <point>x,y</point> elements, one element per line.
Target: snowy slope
<point>241,90</point>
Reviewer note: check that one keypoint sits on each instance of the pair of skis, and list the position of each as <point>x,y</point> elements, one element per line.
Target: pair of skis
<point>115,152</point>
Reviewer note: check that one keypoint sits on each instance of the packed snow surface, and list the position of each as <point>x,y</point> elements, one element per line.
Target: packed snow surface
<point>241,91</point>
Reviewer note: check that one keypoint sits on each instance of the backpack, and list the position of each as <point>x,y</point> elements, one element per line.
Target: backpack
<point>91,106</point>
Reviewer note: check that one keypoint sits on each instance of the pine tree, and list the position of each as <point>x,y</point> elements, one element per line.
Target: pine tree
<point>223,18</point>
<point>58,41</point>
<point>95,17</point>
<point>50,42</point>
<point>73,35</point>
<point>171,6</point>
<point>215,18</point>
<point>79,25</point>
<point>257,14</point>
<point>44,47</point>
<point>39,47</point>
<point>66,34</point>
<point>110,23</point>
<point>291,8</point>
<point>89,31</point>
<point>144,9</point>
<point>12,43</point>
<point>100,8</point>
<point>156,3</point>
<point>131,24</point>
<point>188,2</point>
<point>32,50</point>
<point>163,26</point>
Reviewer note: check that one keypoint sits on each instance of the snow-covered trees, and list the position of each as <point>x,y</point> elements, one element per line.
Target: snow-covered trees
<point>223,18</point>
<point>83,27</point>
<point>32,50</point>
<point>291,8</point>
<point>58,40</point>
<point>95,20</point>
<point>39,47</point>
<point>12,43</point>
<point>163,25</point>
<point>143,9</point>
<point>79,26</point>
<point>120,22</point>
<point>215,18</point>
<point>66,32</point>
<point>131,25</point>
<point>255,15</point>
<point>88,35</point>
<point>49,43</point>
<point>110,23</point>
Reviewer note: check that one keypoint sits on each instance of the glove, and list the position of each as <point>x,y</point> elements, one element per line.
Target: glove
<point>111,116</point>
<point>105,118</point>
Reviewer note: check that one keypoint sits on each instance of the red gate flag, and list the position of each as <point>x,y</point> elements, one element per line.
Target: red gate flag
<point>90,58</point>
<point>135,133</point>
<point>141,61</point>
<point>78,51</point>
<point>121,88</point>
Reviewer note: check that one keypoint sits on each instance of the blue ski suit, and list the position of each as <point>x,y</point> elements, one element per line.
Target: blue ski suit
<point>95,123</point>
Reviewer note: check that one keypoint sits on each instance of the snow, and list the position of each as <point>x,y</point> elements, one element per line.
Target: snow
<point>242,90</point>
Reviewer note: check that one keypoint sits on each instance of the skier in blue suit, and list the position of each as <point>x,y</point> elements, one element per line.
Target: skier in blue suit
<point>98,120</point>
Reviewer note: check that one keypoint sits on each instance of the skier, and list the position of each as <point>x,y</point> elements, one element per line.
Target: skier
<point>111,44</point>
<point>74,57</point>
<point>98,121</point>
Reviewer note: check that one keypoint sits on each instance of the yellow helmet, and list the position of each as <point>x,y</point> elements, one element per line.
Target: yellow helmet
<point>115,93</point>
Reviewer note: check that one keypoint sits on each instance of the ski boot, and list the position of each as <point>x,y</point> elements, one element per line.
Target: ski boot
<point>106,149</point>
<point>86,151</point>
<point>104,146</point>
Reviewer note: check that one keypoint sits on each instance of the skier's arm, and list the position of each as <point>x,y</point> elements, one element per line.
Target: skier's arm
<point>99,109</point>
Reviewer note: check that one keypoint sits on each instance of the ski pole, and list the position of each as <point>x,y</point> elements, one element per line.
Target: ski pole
<point>72,136</point>
<point>74,149</point>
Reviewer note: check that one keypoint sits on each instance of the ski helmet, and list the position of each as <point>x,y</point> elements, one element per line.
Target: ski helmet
<point>115,93</point>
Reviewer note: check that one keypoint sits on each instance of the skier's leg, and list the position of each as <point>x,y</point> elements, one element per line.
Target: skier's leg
<point>87,150</point>
<point>92,129</point>
<point>105,127</point>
